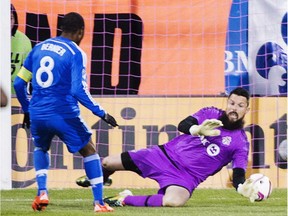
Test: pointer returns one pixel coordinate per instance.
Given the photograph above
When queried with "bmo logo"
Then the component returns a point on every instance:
(271, 62)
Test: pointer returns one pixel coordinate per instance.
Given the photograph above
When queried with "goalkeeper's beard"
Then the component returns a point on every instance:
(230, 125)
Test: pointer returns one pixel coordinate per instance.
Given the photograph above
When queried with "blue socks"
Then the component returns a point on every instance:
(41, 164)
(92, 166)
(93, 169)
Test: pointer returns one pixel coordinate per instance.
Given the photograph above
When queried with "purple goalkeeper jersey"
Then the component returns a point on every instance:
(203, 156)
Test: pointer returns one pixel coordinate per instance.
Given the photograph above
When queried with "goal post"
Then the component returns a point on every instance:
(5, 112)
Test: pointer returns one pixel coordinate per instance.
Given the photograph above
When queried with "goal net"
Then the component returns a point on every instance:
(152, 64)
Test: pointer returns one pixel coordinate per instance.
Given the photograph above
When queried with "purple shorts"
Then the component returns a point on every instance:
(155, 164)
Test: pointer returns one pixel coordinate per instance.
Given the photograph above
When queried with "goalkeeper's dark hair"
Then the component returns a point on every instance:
(240, 92)
(15, 26)
(72, 22)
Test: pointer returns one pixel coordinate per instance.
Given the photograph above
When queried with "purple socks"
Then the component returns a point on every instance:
(149, 201)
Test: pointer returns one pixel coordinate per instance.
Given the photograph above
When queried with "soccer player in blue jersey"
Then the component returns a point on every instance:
(57, 68)
(211, 139)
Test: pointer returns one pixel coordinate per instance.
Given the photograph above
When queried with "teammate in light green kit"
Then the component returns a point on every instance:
(20, 47)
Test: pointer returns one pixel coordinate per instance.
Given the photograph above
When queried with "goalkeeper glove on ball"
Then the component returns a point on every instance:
(248, 189)
(207, 128)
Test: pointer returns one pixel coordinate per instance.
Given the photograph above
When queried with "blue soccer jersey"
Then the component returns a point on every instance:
(57, 67)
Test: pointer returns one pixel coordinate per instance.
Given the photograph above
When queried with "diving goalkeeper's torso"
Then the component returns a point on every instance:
(57, 67)
(204, 156)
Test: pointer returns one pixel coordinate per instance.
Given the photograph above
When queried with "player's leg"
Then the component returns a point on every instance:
(42, 140)
(119, 162)
(175, 196)
(77, 138)
(83, 181)
(125, 162)
(41, 164)
(92, 166)
(143, 158)
(109, 165)
(166, 174)
(112, 163)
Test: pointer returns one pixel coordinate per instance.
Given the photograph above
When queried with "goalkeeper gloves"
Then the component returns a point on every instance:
(248, 189)
(26, 120)
(207, 128)
(110, 120)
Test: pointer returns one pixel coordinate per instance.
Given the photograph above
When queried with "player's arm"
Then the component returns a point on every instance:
(185, 125)
(84, 97)
(238, 177)
(20, 86)
(207, 128)
(81, 93)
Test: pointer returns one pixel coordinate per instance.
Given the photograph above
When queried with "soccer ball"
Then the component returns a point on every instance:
(262, 184)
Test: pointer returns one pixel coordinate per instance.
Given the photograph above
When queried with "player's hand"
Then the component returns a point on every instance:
(110, 120)
(26, 120)
(248, 189)
(207, 128)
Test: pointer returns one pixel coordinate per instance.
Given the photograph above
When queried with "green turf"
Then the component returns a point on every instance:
(204, 202)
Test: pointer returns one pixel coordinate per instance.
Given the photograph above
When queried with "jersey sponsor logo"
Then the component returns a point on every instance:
(213, 150)
(226, 140)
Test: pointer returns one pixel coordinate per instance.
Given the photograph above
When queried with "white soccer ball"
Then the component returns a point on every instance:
(262, 184)
(282, 150)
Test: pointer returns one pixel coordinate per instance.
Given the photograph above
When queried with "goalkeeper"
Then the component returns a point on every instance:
(211, 139)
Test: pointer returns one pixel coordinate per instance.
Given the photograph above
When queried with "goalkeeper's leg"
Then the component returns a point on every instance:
(106, 174)
(83, 181)
(175, 196)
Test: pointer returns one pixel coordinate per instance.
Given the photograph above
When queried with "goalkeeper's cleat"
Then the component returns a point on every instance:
(118, 200)
(108, 182)
(40, 202)
(103, 208)
(83, 181)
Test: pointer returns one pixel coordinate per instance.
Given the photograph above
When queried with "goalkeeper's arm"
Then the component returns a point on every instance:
(207, 128)
(238, 177)
(186, 124)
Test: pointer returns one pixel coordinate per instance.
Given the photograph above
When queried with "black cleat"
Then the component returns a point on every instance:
(118, 200)
(83, 181)
(108, 182)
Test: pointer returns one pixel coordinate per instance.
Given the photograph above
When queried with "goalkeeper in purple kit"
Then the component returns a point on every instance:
(57, 68)
(211, 139)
